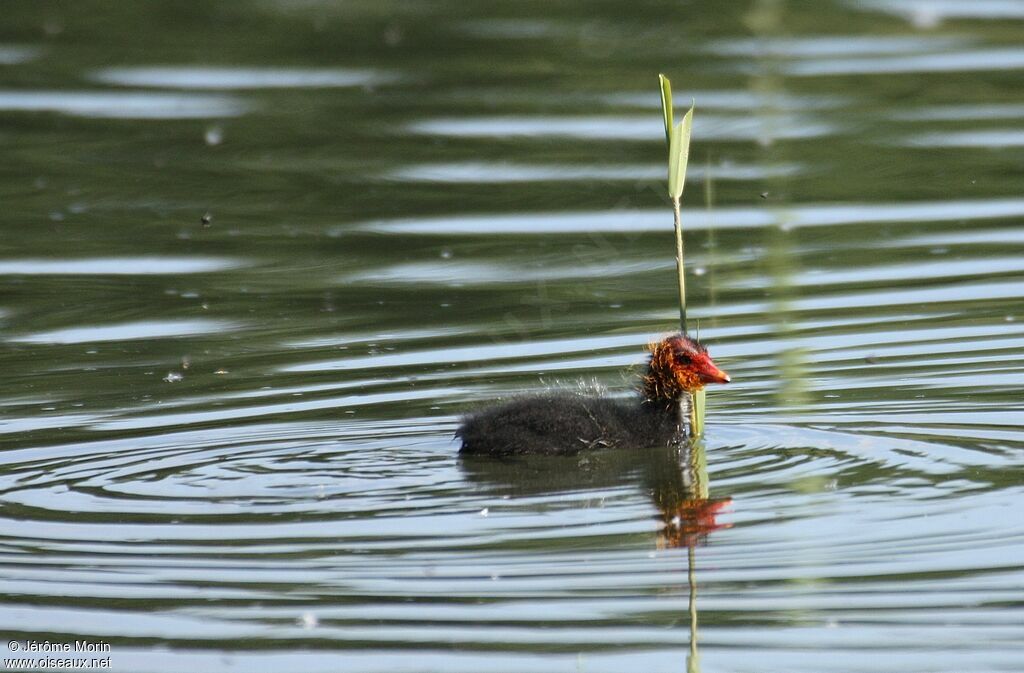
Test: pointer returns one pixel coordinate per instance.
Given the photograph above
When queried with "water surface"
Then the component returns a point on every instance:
(260, 257)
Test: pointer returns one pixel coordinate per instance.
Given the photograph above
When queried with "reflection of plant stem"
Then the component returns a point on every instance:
(693, 660)
(697, 469)
(766, 20)
(694, 414)
(697, 466)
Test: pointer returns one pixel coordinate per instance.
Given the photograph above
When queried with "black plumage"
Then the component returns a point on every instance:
(565, 423)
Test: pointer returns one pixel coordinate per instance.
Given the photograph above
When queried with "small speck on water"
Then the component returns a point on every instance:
(214, 136)
(446, 254)
(308, 621)
(173, 377)
(393, 35)
(206, 219)
(485, 511)
(871, 359)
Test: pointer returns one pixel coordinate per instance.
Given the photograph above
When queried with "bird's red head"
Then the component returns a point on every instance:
(678, 365)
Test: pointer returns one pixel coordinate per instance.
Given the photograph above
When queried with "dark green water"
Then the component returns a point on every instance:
(229, 447)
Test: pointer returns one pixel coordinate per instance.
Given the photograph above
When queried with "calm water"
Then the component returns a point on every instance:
(229, 447)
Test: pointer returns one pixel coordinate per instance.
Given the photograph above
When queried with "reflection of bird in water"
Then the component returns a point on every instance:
(679, 479)
(678, 482)
(691, 521)
(675, 476)
(564, 423)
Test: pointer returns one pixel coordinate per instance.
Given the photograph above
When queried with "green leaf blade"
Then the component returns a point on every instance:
(675, 180)
(679, 154)
(666, 106)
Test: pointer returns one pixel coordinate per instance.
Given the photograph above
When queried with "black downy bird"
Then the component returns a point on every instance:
(565, 423)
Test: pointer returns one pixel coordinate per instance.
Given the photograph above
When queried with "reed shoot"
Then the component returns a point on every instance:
(677, 137)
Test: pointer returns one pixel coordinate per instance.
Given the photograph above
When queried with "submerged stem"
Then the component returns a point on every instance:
(692, 661)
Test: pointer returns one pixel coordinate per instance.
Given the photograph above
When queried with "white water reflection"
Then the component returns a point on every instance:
(943, 269)
(117, 266)
(814, 47)
(929, 13)
(146, 329)
(647, 128)
(961, 112)
(182, 77)
(994, 138)
(494, 173)
(1008, 58)
(495, 352)
(724, 99)
(811, 215)
(12, 55)
(460, 274)
(124, 105)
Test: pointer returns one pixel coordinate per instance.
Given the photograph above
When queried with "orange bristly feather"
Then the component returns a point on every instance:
(666, 380)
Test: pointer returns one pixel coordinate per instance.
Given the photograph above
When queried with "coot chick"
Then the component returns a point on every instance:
(565, 423)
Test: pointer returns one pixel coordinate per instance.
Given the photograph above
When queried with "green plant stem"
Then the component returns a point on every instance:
(680, 265)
